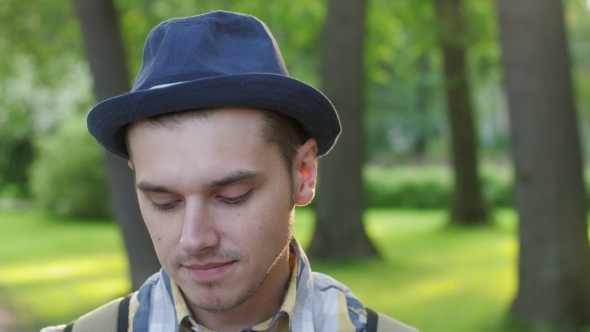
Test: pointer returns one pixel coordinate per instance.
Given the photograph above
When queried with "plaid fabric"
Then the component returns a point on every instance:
(313, 302)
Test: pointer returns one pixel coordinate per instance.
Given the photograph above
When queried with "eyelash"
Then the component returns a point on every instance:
(227, 200)
(235, 200)
(164, 207)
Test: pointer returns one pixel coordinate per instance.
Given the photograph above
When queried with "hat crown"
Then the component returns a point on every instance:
(210, 45)
(213, 60)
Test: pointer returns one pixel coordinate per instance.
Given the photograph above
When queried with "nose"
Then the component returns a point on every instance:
(198, 231)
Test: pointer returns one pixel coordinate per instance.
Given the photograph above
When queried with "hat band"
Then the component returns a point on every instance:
(159, 86)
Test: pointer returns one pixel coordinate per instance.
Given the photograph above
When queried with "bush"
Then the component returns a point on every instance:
(68, 176)
(408, 187)
(430, 186)
(497, 182)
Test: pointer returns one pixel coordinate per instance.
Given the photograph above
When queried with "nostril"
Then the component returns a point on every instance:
(197, 237)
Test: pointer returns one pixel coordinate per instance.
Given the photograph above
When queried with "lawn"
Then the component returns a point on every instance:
(431, 276)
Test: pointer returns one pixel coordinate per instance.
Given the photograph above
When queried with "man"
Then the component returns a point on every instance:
(223, 144)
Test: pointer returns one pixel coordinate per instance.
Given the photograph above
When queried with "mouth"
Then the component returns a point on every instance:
(206, 272)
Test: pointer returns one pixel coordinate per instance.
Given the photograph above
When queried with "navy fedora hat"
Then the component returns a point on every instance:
(208, 61)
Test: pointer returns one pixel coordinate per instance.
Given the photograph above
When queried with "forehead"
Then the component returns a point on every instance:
(214, 122)
(224, 139)
(175, 119)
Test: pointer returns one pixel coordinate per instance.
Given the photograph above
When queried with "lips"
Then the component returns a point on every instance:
(202, 272)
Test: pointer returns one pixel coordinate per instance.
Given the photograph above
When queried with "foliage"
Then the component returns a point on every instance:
(427, 277)
(16, 151)
(577, 19)
(41, 49)
(299, 42)
(430, 187)
(68, 176)
(405, 108)
(29, 110)
(402, 66)
(408, 187)
(47, 33)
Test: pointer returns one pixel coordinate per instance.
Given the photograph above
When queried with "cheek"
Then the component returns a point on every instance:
(244, 228)
(272, 219)
(162, 231)
(271, 226)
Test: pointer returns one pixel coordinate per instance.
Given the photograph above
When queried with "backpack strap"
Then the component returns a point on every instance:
(111, 317)
(123, 319)
(378, 322)
(372, 320)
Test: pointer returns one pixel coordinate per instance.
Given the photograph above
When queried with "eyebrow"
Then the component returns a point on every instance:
(146, 186)
(237, 176)
(234, 177)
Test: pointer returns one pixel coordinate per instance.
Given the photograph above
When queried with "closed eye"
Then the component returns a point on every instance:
(164, 206)
(235, 200)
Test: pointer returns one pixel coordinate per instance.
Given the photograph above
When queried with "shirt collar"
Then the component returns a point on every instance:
(180, 306)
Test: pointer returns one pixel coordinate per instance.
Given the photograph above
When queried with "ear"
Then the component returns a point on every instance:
(305, 170)
(130, 164)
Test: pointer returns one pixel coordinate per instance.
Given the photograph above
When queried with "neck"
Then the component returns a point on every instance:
(258, 308)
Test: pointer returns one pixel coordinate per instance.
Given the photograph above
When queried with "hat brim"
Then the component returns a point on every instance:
(108, 119)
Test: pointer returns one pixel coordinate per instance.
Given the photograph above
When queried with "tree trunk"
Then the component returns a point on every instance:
(554, 267)
(424, 95)
(107, 62)
(339, 205)
(468, 206)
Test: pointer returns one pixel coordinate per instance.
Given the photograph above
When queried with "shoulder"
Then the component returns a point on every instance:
(379, 322)
(335, 306)
(331, 295)
(58, 328)
(112, 316)
(326, 288)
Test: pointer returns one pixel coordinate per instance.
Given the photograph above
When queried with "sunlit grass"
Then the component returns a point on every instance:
(431, 276)
(19, 274)
(52, 271)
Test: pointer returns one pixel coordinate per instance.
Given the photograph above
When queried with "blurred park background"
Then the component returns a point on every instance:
(454, 201)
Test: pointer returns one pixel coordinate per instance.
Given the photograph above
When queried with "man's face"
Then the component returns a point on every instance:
(217, 201)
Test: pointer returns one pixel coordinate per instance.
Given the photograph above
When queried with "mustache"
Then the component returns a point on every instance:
(216, 255)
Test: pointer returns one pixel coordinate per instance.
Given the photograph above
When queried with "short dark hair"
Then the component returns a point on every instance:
(277, 128)
(286, 132)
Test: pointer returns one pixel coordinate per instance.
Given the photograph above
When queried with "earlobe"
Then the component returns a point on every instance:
(306, 171)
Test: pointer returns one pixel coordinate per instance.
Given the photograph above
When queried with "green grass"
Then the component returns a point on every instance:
(430, 276)
(52, 271)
